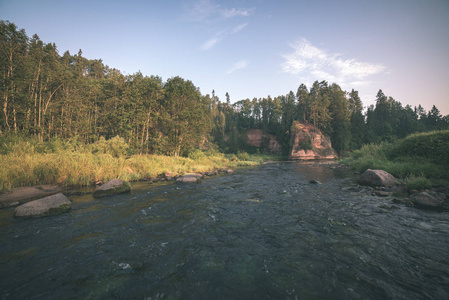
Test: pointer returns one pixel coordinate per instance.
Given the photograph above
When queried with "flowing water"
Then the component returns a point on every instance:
(261, 233)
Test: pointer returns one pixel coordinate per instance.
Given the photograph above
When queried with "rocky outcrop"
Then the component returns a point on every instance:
(51, 205)
(112, 187)
(377, 178)
(309, 143)
(266, 141)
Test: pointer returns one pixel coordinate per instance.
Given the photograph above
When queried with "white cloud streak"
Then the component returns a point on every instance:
(230, 13)
(237, 66)
(332, 67)
(204, 10)
(221, 35)
(209, 44)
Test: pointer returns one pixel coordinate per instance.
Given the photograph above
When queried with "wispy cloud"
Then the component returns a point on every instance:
(205, 10)
(238, 28)
(221, 35)
(230, 13)
(209, 44)
(306, 58)
(237, 66)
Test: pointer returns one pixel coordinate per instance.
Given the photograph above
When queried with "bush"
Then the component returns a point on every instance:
(196, 154)
(432, 146)
(417, 183)
(116, 146)
(420, 158)
(241, 155)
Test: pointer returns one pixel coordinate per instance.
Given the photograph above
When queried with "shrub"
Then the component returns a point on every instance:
(417, 183)
(196, 154)
(241, 155)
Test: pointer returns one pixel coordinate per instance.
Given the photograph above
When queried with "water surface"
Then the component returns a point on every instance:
(261, 233)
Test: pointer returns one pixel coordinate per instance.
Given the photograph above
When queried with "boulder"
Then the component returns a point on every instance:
(377, 178)
(51, 205)
(309, 143)
(112, 187)
(427, 200)
(189, 178)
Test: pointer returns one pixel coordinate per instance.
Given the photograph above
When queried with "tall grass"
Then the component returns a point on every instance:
(416, 158)
(27, 163)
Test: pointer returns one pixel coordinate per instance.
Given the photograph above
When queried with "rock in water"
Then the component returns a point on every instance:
(426, 200)
(51, 205)
(189, 178)
(377, 178)
(112, 187)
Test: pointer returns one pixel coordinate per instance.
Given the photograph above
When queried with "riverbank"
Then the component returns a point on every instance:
(420, 160)
(31, 174)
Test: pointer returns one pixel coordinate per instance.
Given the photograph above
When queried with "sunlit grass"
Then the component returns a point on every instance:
(81, 168)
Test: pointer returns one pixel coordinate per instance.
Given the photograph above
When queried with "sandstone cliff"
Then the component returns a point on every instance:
(263, 140)
(308, 143)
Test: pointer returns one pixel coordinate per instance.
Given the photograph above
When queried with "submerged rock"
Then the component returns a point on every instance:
(427, 200)
(51, 205)
(189, 178)
(377, 178)
(112, 187)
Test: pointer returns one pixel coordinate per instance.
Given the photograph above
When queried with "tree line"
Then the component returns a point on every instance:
(48, 95)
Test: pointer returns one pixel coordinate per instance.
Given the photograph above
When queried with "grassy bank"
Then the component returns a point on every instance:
(422, 160)
(27, 163)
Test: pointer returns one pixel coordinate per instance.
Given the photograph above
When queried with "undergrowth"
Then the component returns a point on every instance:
(27, 162)
(420, 159)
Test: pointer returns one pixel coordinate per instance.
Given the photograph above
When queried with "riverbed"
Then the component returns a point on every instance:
(261, 233)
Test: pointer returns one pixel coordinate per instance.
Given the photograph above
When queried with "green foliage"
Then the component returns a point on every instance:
(196, 154)
(417, 183)
(116, 146)
(243, 155)
(417, 158)
(431, 145)
(306, 145)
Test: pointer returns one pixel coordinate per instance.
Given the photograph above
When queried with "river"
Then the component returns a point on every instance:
(261, 233)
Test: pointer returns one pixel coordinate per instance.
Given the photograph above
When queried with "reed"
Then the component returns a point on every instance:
(68, 167)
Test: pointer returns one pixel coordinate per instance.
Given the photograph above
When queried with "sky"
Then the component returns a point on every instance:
(253, 49)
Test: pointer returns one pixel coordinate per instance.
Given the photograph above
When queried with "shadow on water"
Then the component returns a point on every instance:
(261, 233)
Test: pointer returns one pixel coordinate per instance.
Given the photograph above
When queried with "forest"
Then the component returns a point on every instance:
(46, 96)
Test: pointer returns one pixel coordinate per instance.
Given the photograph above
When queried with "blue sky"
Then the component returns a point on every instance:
(259, 48)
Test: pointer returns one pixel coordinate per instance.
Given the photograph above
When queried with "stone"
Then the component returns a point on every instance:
(380, 193)
(353, 189)
(314, 181)
(112, 187)
(189, 178)
(309, 143)
(401, 200)
(51, 205)
(377, 178)
(427, 200)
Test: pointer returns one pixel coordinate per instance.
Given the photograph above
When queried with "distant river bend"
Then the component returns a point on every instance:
(261, 233)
